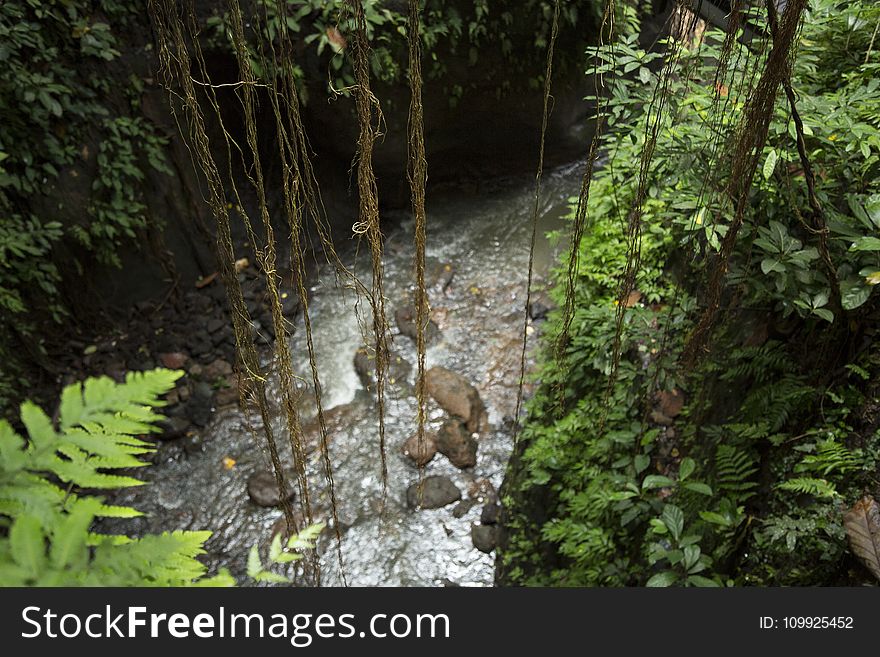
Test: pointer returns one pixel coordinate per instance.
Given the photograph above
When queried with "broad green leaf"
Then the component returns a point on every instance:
(866, 243)
(688, 465)
(673, 518)
(698, 487)
(656, 481)
(662, 580)
(770, 164)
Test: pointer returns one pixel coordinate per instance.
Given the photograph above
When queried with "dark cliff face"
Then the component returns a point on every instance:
(482, 119)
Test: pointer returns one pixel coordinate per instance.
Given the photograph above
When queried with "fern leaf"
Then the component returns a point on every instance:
(69, 540)
(862, 524)
(809, 486)
(28, 544)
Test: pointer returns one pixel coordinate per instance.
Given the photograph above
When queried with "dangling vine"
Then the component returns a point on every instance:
(744, 156)
(417, 173)
(367, 104)
(545, 115)
(174, 62)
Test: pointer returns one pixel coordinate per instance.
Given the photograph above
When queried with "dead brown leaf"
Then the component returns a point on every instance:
(862, 524)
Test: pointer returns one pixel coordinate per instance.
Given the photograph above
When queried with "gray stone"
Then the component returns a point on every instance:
(437, 491)
(263, 489)
(484, 537)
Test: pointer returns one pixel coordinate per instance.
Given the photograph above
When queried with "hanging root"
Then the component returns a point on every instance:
(548, 77)
(634, 218)
(174, 60)
(581, 211)
(368, 223)
(418, 176)
(744, 156)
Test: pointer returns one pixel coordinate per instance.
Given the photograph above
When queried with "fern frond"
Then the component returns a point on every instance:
(734, 469)
(810, 486)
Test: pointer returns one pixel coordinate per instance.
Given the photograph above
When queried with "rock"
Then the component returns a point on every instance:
(397, 374)
(174, 427)
(263, 489)
(227, 396)
(337, 420)
(438, 275)
(289, 305)
(456, 396)
(215, 325)
(461, 509)
(193, 444)
(659, 418)
(406, 324)
(421, 456)
(437, 491)
(173, 360)
(199, 410)
(217, 369)
(485, 537)
(670, 402)
(539, 306)
(200, 344)
(457, 444)
(489, 514)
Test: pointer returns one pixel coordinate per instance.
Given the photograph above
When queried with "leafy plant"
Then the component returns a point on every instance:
(46, 501)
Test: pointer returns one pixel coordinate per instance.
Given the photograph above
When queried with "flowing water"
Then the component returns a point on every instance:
(481, 239)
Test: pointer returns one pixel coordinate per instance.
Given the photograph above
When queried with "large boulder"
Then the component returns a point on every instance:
(456, 396)
(437, 491)
(456, 443)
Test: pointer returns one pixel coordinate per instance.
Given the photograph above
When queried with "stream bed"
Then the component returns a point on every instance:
(477, 253)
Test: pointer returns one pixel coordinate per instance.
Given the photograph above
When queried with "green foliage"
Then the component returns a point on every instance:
(484, 31)
(765, 453)
(47, 507)
(59, 94)
(282, 553)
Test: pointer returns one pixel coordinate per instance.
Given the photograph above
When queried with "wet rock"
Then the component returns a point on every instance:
(263, 489)
(461, 509)
(540, 305)
(484, 537)
(423, 456)
(437, 491)
(489, 514)
(398, 370)
(456, 443)
(173, 360)
(337, 420)
(406, 324)
(456, 396)
(438, 275)
(193, 444)
(199, 406)
(174, 427)
(290, 306)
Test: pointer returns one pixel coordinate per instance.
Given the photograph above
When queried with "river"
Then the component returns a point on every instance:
(478, 237)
